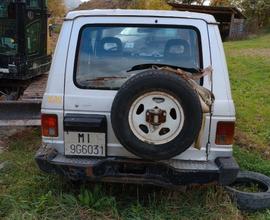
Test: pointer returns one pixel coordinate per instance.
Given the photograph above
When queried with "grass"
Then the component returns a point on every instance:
(27, 193)
(249, 67)
(250, 187)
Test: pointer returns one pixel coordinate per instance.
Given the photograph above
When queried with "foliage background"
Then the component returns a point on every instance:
(57, 8)
(256, 11)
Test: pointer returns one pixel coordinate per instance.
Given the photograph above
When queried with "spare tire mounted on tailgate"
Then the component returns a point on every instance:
(156, 114)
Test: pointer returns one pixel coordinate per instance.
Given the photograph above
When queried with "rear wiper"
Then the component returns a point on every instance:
(153, 65)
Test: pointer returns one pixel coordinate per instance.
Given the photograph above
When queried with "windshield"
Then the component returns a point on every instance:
(8, 44)
(106, 53)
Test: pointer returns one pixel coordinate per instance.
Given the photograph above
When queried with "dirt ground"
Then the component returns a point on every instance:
(251, 52)
(6, 133)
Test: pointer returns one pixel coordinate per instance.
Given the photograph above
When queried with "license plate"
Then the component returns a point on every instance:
(85, 144)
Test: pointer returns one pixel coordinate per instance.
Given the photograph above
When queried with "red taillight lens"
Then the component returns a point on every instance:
(225, 133)
(49, 125)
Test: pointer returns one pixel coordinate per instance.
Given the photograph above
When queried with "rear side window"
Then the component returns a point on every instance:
(106, 53)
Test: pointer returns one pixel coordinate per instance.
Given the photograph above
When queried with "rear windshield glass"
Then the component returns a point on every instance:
(105, 54)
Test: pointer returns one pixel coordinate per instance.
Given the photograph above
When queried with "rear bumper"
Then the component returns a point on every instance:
(123, 170)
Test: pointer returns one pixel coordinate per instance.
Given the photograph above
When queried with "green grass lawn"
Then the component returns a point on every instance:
(249, 67)
(27, 193)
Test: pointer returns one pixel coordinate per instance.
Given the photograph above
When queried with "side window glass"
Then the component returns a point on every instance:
(32, 38)
(32, 3)
(4, 9)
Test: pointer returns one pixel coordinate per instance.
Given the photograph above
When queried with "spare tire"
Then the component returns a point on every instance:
(156, 115)
(251, 201)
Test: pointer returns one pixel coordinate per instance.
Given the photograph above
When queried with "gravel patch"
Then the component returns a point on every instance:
(6, 132)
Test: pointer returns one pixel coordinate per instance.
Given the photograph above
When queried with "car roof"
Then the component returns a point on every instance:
(144, 13)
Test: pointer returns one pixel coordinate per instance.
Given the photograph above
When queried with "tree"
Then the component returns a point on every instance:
(256, 11)
(150, 4)
(124, 4)
(221, 3)
(57, 8)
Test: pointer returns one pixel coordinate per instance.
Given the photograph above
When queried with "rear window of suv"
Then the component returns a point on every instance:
(105, 54)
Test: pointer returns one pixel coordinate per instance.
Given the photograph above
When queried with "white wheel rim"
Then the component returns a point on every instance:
(163, 133)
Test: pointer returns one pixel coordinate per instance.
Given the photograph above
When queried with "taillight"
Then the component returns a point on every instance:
(225, 133)
(49, 125)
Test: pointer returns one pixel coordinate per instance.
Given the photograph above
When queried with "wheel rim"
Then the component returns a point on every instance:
(156, 118)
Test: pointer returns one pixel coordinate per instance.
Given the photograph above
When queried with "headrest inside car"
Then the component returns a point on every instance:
(110, 46)
(177, 48)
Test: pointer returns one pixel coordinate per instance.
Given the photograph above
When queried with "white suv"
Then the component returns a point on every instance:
(123, 101)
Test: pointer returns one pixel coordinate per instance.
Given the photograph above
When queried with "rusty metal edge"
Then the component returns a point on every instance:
(19, 123)
(20, 113)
